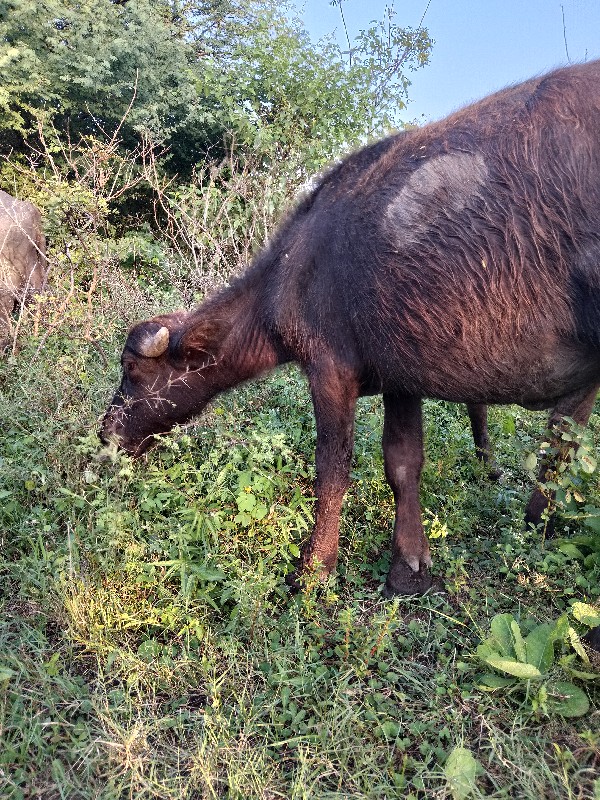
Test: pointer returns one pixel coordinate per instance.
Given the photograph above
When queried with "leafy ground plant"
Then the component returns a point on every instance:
(526, 666)
(150, 647)
(461, 770)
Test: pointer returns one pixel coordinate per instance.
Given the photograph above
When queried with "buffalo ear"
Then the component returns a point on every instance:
(200, 340)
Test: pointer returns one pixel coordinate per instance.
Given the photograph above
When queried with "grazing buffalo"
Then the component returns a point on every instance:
(22, 255)
(458, 261)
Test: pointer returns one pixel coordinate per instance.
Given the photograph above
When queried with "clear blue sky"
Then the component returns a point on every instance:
(480, 45)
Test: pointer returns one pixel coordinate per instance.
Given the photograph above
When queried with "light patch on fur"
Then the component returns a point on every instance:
(400, 475)
(442, 185)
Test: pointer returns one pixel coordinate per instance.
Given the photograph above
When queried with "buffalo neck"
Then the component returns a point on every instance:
(247, 345)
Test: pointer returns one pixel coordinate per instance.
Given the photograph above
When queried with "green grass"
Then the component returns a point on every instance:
(149, 647)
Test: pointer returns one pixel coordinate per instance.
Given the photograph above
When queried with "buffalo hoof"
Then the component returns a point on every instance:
(593, 638)
(537, 509)
(494, 472)
(543, 526)
(303, 577)
(402, 579)
(293, 581)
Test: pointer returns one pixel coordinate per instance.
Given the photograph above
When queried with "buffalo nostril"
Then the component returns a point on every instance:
(109, 438)
(111, 429)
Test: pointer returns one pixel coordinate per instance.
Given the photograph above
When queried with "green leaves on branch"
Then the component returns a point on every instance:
(570, 464)
(569, 456)
(201, 78)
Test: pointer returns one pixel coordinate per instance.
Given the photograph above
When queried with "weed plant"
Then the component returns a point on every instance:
(149, 646)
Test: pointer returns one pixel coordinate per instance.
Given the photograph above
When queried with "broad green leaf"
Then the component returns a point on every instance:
(246, 501)
(502, 633)
(244, 480)
(588, 463)
(390, 729)
(461, 770)
(518, 642)
(567, 699)
(561, 628)
(243, 518)
(531, 462)
(570, 550)
(491, 682)
(485, 649)
(539, 645)
(208, 573)
(593, 522)
(587, 614)
(6, 673)
(575, 642)
(149, 649)
(566, 662)
(516, 668)
(260, 511)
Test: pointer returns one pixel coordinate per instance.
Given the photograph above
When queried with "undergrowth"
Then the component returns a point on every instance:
(150, 647)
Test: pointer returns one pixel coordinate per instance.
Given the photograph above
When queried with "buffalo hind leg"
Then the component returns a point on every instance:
(334, 393)
(578, 406)
(403, 459)
(478, 414)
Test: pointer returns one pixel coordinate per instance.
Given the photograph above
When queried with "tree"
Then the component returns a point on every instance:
(202, 77)
(312, 100)
(86, 63)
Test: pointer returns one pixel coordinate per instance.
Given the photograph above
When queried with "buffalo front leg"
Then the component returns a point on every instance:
(478, 414)
(334, 393)
(403, 458)
(578, 406)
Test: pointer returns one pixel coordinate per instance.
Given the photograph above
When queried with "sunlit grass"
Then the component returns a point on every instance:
(149, 646)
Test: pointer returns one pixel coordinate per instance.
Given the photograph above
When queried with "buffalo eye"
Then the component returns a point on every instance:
(129, 368)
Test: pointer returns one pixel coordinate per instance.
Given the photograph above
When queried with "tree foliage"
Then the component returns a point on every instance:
(86, 63)
(199, 77)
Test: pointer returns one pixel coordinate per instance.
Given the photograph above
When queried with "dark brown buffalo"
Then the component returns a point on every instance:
(459, 261)
(22, 255)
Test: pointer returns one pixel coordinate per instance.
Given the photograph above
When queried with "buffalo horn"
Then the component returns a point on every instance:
(154, 344)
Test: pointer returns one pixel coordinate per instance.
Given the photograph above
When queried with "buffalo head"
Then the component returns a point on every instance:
(170, 370)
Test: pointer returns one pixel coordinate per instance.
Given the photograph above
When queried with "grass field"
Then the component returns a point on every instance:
(149, 647)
